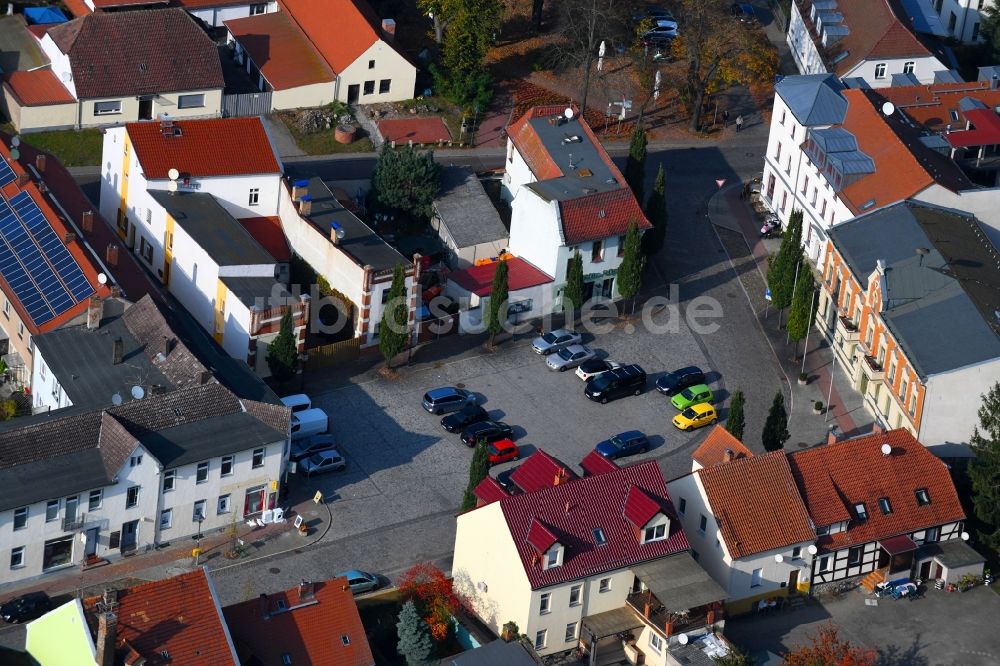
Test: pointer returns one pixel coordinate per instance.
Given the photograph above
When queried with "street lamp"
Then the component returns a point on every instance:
(198, 518)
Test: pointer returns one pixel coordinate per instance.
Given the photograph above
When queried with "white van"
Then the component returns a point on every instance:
(309, 422)
(298, 402)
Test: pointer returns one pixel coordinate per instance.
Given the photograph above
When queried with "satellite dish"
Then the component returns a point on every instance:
(682, 639)
(67, 76)
(138, 392)
(102, 278)
(886, 449)
(568, 113)
(173, 174)
(16, 141)
(172, 186)
(965, 536)
(812, 550)
(888, 108)
(779, 558)
(15, 154)
(339, 230)
(116, 399)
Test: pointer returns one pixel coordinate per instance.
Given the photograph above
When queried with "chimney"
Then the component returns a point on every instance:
(877, 428)
(206, 376)
(95, 311)
(646, 608)
(165, 346)
(333, 234)
(69, 237)
(728, 456)
(389, 30)
(87, 221)
(831, 437)
(116, 291)
(568, 507)
(23, 179)
(265, 612)
(306, 591)
(40, 162)
(111, 255)
(107, 629)
(117, 351)
(560, 477)
(300, 188)
(305, 205)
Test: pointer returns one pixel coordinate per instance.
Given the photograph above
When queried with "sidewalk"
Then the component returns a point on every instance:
(738, 229)
(176, 557)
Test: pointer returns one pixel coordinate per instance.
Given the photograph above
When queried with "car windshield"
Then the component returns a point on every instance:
(601, 382)
(688, 395)
(618, 443)
(670, 380)
(492, 450)
(689, 413)
(565, 354)
(550, 337)
(316, 459)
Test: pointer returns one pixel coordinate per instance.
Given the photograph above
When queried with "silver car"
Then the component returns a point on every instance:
(328, 460)
(570, 357)
(555, 340)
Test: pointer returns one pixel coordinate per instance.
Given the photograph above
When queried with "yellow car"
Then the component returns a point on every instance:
(696, 416)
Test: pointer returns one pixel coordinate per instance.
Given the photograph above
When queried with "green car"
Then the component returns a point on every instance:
(694, 395)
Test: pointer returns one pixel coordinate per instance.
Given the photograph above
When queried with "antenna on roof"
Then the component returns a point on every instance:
(888, 108)
(138, 393)
(922, 252)
(15, 141)
(102, 278)
(569, 113)
(173, 175)
(116, 399)
(886, 449)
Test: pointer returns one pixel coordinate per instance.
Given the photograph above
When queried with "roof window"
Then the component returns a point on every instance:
(599, 538)
(923, 498)
(345, 639)
(884, 505)
(861, 511)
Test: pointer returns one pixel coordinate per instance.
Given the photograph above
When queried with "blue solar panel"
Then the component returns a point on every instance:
(45, 277)
(6, 173)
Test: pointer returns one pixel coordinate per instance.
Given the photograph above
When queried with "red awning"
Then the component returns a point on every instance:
(898, 544)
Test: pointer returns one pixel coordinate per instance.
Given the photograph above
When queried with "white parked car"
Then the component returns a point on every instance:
(594, 367)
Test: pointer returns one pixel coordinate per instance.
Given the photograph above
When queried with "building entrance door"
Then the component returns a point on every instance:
(145, 109)
(130, 535)
(793, 581)
(353, 92)
(91, 546)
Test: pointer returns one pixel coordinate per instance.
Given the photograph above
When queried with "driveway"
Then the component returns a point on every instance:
(940, 629)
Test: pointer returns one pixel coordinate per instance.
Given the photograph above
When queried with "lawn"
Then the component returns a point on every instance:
(72, 147)
(323, 142)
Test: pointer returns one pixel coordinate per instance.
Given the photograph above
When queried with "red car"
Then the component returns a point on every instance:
(501, 451)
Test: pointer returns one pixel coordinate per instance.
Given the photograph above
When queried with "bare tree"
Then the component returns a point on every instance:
(719, 51)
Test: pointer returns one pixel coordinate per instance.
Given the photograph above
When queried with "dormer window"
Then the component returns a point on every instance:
(656, 529)
(554, 556)
(861, 511)
(923, 498)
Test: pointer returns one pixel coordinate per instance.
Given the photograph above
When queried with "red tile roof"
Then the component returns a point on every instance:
(835, 477)
(640, 508)
(540, 470)
(756, 504)
(600, 215)
(489, 490)
(573, 510)
(931, 105)
(529, 144)
(540, 536)
(281, 50)
(38, 87)
(268, 234)
(985, 130)
(713, 450)
(105, 4)
(594, 463)
(142, 52)
(179, 615)
(521, 274)
(78, 7)
(214, 147)
(358, 28)
(417, 130)
(310, 630)
(203, 4)
(77, 250)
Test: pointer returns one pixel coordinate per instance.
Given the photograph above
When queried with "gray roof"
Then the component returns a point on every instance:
(834, 139)
(213, 228)
(952, 554)
(256, 291)
(359, 241)
(988, 73)
(948, 76)
(465, 210)
(20, 51)
(497, 653)
(679, 582)
(814, 99)
(574, 158)
(939, 307)
(905, 79)
(208, 438)
(81, 360)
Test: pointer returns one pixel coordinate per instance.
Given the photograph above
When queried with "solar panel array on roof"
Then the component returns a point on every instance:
(40, 270)
(6, 173)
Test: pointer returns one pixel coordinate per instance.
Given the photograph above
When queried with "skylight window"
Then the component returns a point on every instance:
(599, 537)
(884, 505)
(923, 498)
(861, 511)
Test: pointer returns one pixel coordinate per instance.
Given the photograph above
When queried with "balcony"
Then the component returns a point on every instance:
(71, 524)
(847, 329)
(873, 369)
(670, 622)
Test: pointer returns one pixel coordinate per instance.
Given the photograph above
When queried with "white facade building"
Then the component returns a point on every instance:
(567, 196)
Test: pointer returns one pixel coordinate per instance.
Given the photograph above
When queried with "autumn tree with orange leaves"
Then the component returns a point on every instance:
(431, 591)
(826, 648)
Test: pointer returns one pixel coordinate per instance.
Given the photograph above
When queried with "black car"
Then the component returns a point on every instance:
(27, 607)
(626, 380)
(678, 380)
(460, 420)
(304, 448)
(491, 431)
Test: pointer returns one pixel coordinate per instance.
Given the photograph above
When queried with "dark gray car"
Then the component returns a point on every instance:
(447, 399)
